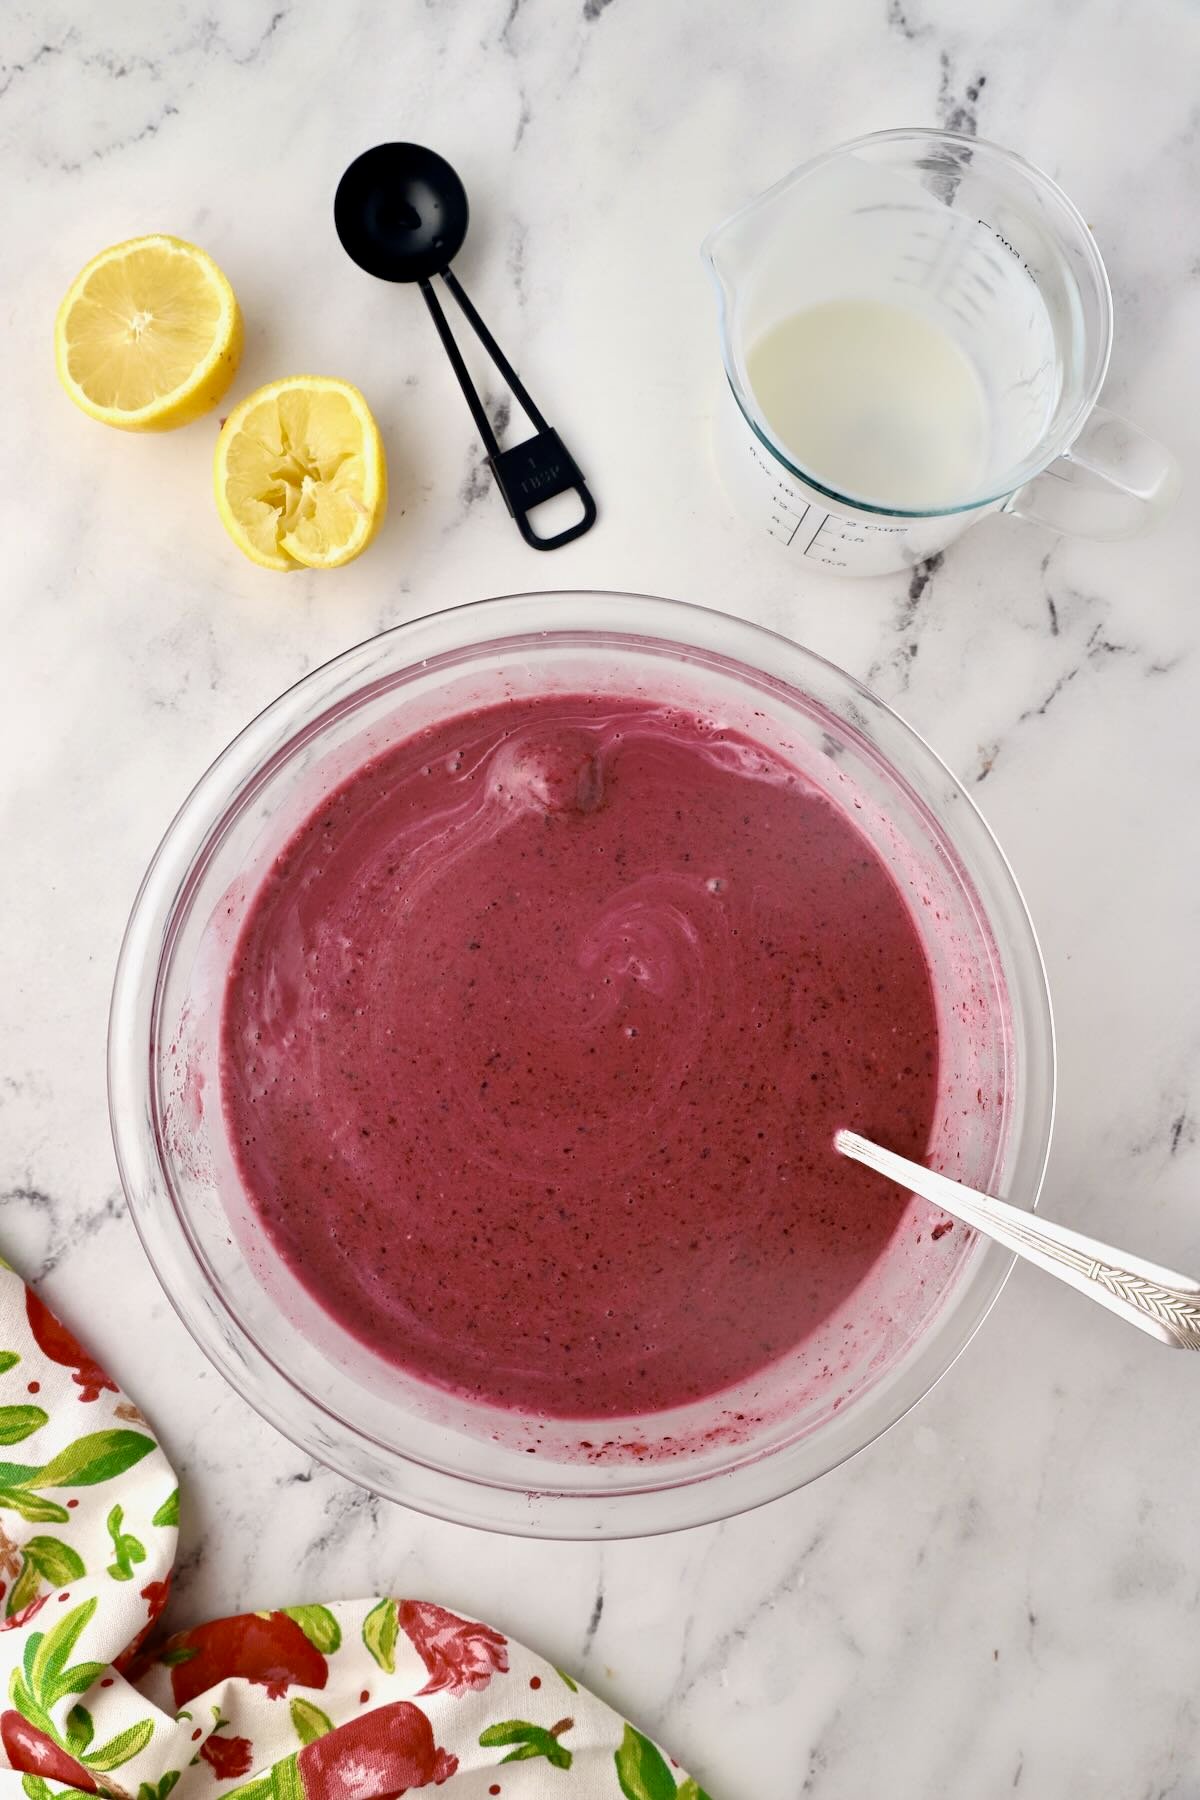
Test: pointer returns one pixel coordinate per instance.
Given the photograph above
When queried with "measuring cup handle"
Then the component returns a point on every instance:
(1113, 482)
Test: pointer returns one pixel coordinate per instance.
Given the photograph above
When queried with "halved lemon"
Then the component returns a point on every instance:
(149, 335)
(300, 475)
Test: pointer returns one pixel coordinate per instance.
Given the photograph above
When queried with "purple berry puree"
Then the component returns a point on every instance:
(535, 1042)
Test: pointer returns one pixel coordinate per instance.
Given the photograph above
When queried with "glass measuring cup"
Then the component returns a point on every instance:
(997, 274)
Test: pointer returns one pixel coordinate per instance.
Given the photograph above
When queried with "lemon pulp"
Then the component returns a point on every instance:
(300, 474)
(149, 335)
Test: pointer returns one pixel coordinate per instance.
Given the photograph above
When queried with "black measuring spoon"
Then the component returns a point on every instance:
(401, 214)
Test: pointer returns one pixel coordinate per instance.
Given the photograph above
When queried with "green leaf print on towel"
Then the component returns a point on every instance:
(160, 1789)
(168, 1512)
(121, 1749)
(80, 1730)
(318, 1625)
(65, 1760)
(34, 1507)
(645, 1774)
(100, 1456)
(48, 1655)
(532, 1741)
(380, 1630)
(127, 1550)
(17, 1422)
(43, 1559)
(38, 1788)
(309, 1721)
(97, 1457)
(47, 1676)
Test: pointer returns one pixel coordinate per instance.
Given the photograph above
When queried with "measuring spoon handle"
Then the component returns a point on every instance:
(530, 472)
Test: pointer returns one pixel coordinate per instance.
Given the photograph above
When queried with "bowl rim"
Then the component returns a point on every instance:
(678, 1503)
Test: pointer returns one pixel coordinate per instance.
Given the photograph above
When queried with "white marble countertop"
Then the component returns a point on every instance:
(1004, 1593)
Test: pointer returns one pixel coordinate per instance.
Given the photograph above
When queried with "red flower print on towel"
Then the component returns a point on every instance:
(32, 1751)
(270, 1649)
(378, 1756)
(459, 1654)
(228, 1757)
(156, 1594)
(26, 1612)
(131, 1663)
(55, 1341)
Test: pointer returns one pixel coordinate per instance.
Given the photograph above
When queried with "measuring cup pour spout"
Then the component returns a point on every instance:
(753, 258)
(728, 254)
(711, 251)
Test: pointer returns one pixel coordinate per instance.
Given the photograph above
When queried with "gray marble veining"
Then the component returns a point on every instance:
(1004, 1594)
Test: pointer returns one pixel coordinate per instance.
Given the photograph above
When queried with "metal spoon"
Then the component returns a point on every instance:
(1156, 1300)
(401, 214)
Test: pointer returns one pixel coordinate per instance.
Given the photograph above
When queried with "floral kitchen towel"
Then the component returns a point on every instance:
(361, 1700)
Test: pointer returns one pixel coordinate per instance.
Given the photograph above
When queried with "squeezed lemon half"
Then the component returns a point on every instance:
(300, 475)
(149, 335)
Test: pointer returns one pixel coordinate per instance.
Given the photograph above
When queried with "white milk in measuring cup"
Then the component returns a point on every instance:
(914, 329)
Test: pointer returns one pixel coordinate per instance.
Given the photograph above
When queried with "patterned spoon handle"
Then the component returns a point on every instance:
(1157, 1300)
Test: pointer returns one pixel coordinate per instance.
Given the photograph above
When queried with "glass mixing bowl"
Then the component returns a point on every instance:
(461, 1460)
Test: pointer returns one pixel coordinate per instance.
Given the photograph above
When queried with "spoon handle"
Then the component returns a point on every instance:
(483, 424)
(1157, 1300)
(512, 379)
(527, 473)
